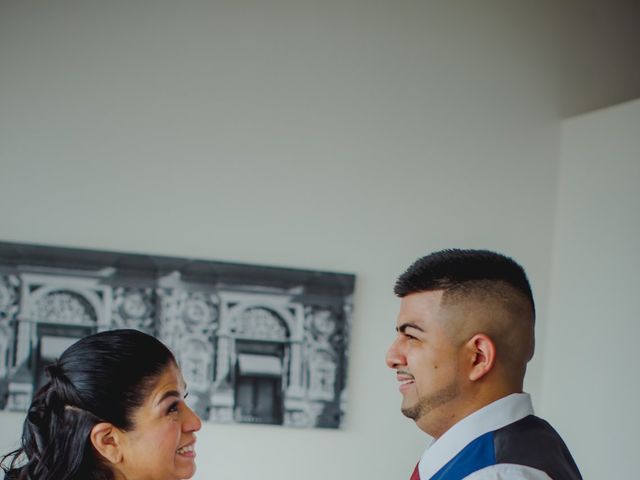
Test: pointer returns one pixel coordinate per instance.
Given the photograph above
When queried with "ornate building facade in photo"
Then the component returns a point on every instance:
(255, 344)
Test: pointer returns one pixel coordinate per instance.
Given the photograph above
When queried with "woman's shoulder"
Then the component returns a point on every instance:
(13, 474)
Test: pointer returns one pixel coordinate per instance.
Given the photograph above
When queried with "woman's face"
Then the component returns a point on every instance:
(161, 444)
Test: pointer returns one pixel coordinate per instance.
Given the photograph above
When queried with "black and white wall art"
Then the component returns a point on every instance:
(255, 344)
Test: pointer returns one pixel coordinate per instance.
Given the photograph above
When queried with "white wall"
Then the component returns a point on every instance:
(600, 53)
(351, 136)
(591, 385)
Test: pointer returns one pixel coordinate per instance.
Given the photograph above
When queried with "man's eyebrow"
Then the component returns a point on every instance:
(404, 326)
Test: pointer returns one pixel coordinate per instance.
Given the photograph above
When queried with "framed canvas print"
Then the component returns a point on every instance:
(256, 344)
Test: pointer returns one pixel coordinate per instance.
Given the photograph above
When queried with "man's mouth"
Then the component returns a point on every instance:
(405, 379)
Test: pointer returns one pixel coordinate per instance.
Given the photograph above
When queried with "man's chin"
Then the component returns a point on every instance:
(411, 411)
(425, 405)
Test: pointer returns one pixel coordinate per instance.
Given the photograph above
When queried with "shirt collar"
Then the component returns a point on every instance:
(491, 417)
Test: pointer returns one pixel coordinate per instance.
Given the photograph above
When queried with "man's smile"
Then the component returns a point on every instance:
(405, 379)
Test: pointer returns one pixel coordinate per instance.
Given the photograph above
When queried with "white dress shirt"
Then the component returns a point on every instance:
(492, 417)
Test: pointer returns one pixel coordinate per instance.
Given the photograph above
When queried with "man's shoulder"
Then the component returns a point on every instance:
(507, 471)
(518, 437)
(533, 442)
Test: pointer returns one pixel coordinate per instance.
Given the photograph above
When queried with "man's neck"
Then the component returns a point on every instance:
(458, 409)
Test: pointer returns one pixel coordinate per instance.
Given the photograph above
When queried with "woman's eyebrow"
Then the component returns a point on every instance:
(170, 393)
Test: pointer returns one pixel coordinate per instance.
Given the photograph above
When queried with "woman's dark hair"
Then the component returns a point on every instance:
(101, 378)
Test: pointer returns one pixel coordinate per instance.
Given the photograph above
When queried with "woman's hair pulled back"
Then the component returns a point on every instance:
(100, 378)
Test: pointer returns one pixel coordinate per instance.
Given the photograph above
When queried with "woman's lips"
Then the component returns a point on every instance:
(187, 451)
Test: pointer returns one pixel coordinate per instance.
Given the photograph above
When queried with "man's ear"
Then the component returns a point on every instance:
(107, 440)
(482, 356)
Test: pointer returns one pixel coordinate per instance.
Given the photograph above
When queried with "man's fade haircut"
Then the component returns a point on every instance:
(457, 271)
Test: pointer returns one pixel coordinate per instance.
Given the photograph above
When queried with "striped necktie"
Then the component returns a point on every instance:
(416, 474)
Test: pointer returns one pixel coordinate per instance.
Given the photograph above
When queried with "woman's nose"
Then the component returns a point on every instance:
(192, 421)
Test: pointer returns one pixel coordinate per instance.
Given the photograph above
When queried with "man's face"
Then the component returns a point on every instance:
(426, 361)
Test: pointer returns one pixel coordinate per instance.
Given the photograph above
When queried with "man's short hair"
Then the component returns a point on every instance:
(460, 272)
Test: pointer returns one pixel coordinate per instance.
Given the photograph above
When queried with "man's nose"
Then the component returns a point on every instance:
(395, 355)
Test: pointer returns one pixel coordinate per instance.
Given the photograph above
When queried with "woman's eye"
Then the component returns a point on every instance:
(173, 408)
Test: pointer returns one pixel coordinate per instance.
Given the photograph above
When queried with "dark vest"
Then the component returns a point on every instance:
(530, 441)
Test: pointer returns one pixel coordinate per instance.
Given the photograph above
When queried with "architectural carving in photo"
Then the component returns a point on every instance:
(255, 344)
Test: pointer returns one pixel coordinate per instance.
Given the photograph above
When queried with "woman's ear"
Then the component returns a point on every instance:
(107, 440)
(482, 354)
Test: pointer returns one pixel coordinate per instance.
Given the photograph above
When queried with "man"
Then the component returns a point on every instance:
(465, 333)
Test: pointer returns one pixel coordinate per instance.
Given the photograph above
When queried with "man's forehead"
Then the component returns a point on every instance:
(422, 299)
(419, 306)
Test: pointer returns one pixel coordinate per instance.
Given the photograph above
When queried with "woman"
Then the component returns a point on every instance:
(113, 409)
